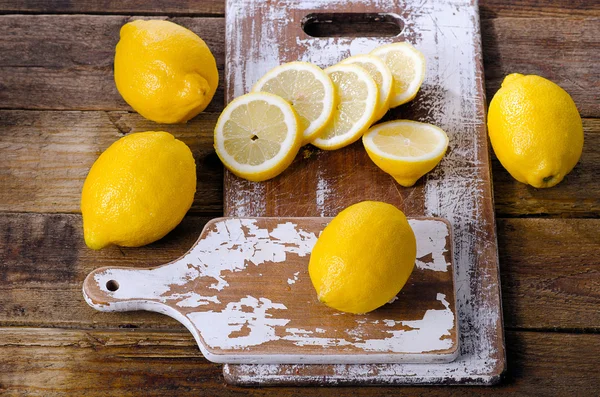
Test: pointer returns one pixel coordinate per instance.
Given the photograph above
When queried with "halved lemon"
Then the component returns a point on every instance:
(308, 89)
(407, 65)
(382, 75)
(257, 136)
(406, 149)
(358, 97)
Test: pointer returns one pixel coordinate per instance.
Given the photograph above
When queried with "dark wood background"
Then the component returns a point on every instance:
(59, 109)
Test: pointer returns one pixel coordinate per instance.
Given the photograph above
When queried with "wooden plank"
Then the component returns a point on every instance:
(58, 148)
(136, 7)
(36, 73)
(578, 195)
(74, 70)
(47, 155)
(99, 363)
(564, 50)
(43, 262)
(488, 8)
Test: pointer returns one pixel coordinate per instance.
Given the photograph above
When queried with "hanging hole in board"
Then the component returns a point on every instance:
(345, 24)
(112, 285)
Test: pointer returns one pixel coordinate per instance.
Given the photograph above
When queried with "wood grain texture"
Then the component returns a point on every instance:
(489, 8)
(47, 155)
(37, 73)
(43, 261)
(58, 148)
(101, 363)
(57, 66)
(564, 50)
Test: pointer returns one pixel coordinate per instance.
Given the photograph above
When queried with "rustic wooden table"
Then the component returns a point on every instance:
(59, 109)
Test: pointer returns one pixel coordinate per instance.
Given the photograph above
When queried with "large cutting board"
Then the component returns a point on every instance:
(264, 34)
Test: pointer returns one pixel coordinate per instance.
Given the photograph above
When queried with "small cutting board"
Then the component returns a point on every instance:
(244, 292)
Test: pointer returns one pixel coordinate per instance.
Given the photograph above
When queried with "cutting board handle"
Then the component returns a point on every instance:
(122, 289)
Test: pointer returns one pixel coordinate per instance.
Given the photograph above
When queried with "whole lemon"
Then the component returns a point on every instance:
(535, 130)
(363, 258)
(138, 190)
(164, 71)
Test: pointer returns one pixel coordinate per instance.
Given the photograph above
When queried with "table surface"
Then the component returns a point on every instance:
(59, 109)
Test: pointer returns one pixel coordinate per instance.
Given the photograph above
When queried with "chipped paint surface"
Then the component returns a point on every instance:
(226, 323)
(447, 32)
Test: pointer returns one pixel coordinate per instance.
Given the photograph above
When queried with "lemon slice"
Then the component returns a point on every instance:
(308, 89)
(382, 75)
(408, 68)
(406, 149)
(358, 97)
(257, 136)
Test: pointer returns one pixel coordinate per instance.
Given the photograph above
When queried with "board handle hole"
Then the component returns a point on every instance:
(347, 24)
(112, 285)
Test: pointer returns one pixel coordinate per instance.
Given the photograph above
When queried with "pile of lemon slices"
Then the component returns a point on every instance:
(259, 134)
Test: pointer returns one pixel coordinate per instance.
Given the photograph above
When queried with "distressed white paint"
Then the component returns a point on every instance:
(447, 32)
(217, 328)
(241, 323)
(432, 241)
(291, 281)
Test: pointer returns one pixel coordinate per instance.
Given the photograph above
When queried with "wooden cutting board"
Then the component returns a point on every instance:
(244, 292)
(263, 34)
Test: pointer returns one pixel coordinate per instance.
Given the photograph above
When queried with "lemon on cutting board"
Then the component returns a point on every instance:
(363, 258)
(406, 149)
(138, 190)
(357, 108)
(382, 76)
(164, 71)
(308, 89)
(535, 130)
(407, 65)
(258, 136)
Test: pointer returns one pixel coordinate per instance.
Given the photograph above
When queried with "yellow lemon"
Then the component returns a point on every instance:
(535, 130)
(308, 89)
(358, 100)
(138, 190)
(405, 149)
(258, 136)
(363, 258)
(164, 71)
(381, 74)
(407, 65)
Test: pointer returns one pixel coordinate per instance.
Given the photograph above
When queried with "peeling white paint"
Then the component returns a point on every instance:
(431, 241)
(218, 328)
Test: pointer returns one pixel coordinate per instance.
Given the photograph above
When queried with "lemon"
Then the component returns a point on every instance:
(407, 65)
(164, 71)
(358, 98)
(363, 258)
(138, 190)
(405, 149)
(258, 136)
(535, 130)
(308, 89)
(382, 75)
